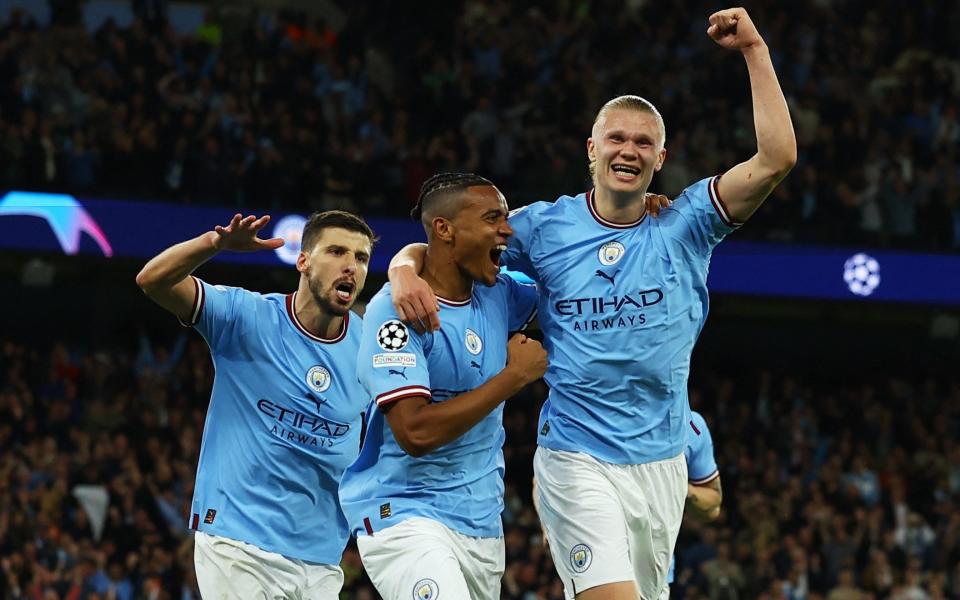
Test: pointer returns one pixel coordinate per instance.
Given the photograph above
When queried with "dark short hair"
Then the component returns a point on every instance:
(445, 182)
(319, 221)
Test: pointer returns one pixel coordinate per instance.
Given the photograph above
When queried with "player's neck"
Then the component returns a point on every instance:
(619, 207)
(318, 322)
(441, 272)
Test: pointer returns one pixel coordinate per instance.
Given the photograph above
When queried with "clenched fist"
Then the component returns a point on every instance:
(733, 29)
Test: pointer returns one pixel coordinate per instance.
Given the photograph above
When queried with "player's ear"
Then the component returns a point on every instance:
(591, 150)
(443, 229)
(303, 261)
(661, 159)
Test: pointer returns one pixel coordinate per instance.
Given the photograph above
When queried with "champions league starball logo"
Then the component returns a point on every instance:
(861, 273)
(426, 589)
(393, 336)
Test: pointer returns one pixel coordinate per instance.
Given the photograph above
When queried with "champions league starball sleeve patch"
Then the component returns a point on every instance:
(393, 336)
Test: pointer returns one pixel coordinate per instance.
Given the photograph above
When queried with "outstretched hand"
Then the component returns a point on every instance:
(240, 235)
(733, 29)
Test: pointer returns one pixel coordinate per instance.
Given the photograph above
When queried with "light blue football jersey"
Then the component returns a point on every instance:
(701, 463)
(459, 484)
(621, 306)
(284, 422)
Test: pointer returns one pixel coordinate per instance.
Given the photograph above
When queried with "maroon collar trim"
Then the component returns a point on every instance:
(596, 215)
(291, 302)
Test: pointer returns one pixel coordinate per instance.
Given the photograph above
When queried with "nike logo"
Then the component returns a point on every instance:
(65, 216)
(609, 278)
(401, 373)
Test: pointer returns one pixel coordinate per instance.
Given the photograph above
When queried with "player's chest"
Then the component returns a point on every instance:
(466, 353)
(309, 378)
(631, 264)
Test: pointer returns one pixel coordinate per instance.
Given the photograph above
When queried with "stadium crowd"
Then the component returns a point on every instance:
(836, 490)
(279, 111)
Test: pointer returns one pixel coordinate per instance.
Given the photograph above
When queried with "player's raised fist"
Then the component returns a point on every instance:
(732, 28)
(240, 235)
(526, 357)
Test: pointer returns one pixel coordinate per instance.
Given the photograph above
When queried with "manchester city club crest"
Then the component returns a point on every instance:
(318, 378)
(426, 589)
(473, 342)
(581, 557)
(611, 253)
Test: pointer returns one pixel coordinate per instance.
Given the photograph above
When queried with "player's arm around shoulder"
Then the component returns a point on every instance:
(413, 299)
(744, 187)
(421, 427)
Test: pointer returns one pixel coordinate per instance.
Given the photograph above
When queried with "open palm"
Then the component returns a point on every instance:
(240, 235)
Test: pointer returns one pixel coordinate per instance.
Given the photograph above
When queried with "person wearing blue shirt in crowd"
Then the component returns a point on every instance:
(425, 495)
(704, 492)
(623, 299)
(285, 414)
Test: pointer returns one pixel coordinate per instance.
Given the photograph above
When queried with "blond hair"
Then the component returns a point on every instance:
(636, 104)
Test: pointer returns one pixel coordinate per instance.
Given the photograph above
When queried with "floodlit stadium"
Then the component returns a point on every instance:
(827, 374)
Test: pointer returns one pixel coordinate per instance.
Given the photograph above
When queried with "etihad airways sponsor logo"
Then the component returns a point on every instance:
(296, 426)
(601, 305)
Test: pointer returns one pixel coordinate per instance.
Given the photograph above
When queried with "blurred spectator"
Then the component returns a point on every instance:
(279, 111)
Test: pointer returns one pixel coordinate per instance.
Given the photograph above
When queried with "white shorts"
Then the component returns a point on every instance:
(609, 523)
(228, 569)
(422, 559)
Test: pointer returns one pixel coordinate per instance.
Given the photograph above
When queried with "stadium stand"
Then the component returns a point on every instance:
(280, 111)
(841, 477)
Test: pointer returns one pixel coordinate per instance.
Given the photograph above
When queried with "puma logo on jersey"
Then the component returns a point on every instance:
(317, 402)
(609, 278)
(402, 372)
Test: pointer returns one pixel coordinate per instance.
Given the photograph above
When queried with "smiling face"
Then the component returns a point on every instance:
(336, 268)
(480, 233)
(625, 150)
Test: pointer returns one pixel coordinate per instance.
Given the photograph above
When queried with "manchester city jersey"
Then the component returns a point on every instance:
(701, 463)
(284, 422)
(459, 484)
(621, 306)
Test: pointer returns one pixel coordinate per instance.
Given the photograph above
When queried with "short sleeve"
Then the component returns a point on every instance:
(701, 463)
(698, 217)
(218, 310)
(517, 255)
(521, 302)
(391, 364)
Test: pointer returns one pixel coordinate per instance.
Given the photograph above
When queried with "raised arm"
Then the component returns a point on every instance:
(165, 279)
(744, 187)
(412, 297)
(421, 427)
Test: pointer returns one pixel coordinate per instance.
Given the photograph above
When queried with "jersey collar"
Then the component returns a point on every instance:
(596, 214)
(446, 302)
(291, 302)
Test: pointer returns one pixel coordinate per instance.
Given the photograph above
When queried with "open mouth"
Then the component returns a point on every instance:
(345, 290)
(495, 253)
(625, 171)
